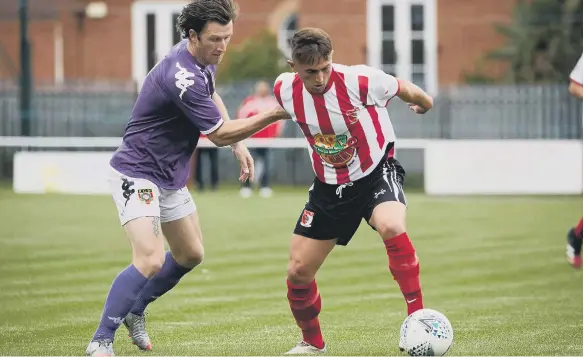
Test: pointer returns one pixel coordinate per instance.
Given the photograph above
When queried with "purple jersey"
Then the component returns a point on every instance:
(173, 108)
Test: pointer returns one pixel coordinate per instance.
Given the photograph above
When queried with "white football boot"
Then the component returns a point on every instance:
(245, 192)
(101, 348)
(266, 192)
(303, 348)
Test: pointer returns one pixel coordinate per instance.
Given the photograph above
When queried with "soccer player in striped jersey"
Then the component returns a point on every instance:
(342, 112)
(574, 248)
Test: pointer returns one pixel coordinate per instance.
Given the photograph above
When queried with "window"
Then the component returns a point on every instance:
(388, 54)
(287, 30)
(151, 57)
(411, 54)
(153, 34)
(418, 47)
(176, 35)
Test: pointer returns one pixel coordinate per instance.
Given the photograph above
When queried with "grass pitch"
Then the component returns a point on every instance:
(495, 266)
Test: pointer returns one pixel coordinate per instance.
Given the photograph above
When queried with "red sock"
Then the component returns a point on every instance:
(305, 304)
(578, 229)
(405, 268)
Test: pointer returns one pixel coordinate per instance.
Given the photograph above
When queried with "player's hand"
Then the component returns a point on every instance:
(418, 109)
(245, 162)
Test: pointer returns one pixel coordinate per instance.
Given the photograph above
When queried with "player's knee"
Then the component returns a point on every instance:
(190, 258)
(390, 228)
(156, 264)
(150, 265)
(299, 272)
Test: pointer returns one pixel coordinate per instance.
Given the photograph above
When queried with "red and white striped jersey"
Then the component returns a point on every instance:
(347, 127)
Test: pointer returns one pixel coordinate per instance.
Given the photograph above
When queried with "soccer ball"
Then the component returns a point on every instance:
(426, 332)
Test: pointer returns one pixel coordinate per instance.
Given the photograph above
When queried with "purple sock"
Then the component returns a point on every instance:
(166, 279)
(122, 296)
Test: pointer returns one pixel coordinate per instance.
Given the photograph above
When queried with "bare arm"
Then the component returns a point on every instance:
(223, 110)
(575, 89)
(221, 106)
(233, 131)
(411, 93)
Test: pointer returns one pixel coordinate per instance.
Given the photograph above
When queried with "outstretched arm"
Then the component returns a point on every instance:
(208, 112)
(221, 106)
(224, 113)
(246, 164)
(233, 131)
(384, 87)
(420, 102)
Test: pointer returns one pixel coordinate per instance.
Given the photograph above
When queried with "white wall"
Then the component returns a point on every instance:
(61, 172)
(451, 167)
(483, 167)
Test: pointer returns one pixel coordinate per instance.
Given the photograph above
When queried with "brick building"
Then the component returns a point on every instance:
(429, 41)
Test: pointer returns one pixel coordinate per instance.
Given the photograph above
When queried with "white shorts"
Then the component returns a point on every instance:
(137, 198)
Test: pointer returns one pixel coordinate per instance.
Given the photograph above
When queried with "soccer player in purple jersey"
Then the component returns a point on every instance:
(149, 171)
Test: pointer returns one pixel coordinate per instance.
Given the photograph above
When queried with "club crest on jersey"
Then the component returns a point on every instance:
(335, 150)
(146, 195)
(307, 217)
(352, 116)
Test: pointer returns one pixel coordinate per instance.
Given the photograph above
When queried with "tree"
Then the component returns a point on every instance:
(543, 41)
(258, 57)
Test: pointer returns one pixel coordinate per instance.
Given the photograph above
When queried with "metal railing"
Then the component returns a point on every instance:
(463, 112)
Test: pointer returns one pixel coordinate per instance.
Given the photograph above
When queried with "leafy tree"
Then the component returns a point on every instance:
(543, 42)
(257, 57)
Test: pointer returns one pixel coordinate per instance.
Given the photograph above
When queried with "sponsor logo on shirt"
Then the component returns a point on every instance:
(335, 150)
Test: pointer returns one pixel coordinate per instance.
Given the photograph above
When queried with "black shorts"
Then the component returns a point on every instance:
(335, 211)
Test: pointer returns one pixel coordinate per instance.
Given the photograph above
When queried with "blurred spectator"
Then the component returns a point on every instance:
(213, 154)
(261, 100)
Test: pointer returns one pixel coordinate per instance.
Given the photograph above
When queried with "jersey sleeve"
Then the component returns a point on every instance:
(382, 86)
(278, 89)
(188, 90)
(576, 75)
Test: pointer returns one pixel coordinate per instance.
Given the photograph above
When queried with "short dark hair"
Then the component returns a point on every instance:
(198, 13)
(309, 45)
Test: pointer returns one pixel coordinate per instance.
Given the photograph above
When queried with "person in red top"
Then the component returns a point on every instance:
(259, 101)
